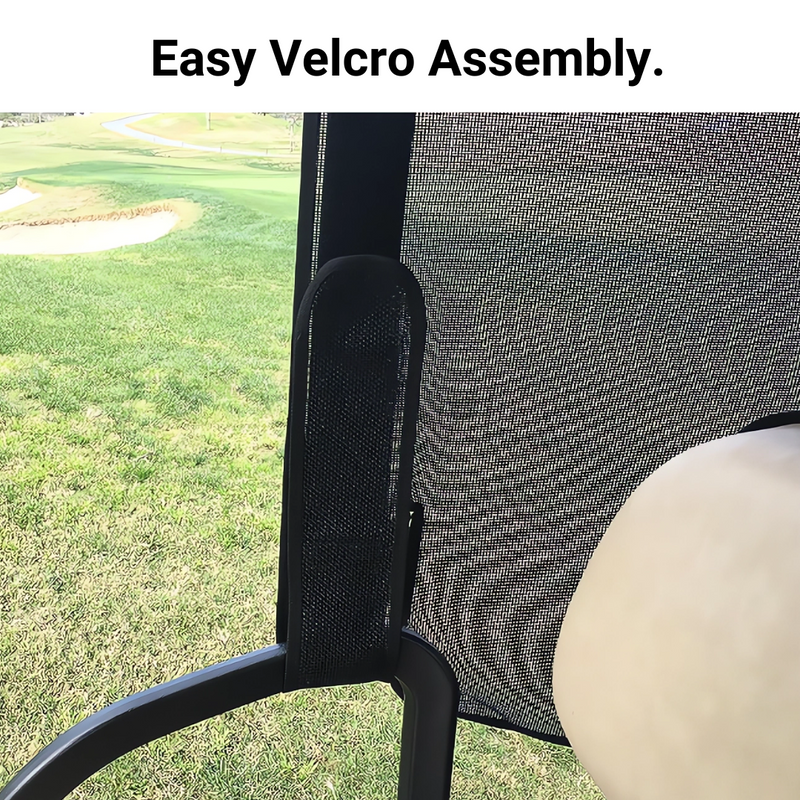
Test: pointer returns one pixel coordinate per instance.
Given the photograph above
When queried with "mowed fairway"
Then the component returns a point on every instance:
(143, 395)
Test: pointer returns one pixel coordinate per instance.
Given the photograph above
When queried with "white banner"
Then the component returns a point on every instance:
(417, 55)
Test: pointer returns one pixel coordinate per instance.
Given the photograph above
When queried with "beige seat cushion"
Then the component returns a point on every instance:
(677, 671)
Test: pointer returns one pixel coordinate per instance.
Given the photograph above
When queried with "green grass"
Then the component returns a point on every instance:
(143, 395)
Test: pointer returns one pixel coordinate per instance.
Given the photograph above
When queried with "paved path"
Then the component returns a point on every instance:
(121, 126)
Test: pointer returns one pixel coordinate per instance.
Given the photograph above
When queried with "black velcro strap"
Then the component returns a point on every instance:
(354, 394)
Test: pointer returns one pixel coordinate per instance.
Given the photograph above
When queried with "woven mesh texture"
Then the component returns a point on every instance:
(357, 376)
(320, 186)
(603, 292)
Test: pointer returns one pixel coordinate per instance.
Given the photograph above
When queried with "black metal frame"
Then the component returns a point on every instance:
(364, 170)
(429, 721)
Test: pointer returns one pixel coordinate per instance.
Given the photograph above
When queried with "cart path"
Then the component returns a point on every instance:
(121, 126)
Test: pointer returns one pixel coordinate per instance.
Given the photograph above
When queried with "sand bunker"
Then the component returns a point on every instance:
(16, 197)
(84, 236)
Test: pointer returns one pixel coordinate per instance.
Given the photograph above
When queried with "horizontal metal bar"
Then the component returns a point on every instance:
(127, 724)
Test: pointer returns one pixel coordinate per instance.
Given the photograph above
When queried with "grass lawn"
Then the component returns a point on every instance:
(143, 394)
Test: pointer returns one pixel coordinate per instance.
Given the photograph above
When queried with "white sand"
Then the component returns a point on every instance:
(16, 197)
(84, 237)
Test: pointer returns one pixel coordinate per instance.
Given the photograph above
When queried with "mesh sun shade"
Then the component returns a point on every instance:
(603, 292)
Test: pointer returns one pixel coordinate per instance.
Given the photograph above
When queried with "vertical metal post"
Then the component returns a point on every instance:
(430, 693)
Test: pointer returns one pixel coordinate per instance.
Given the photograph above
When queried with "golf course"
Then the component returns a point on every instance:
(145, 329)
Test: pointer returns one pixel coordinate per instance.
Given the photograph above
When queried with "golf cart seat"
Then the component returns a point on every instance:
(677, 671)
(503, 324)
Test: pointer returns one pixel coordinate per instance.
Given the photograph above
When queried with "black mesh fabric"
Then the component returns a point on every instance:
(354, 452)
(320, 185)
(603, 292)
